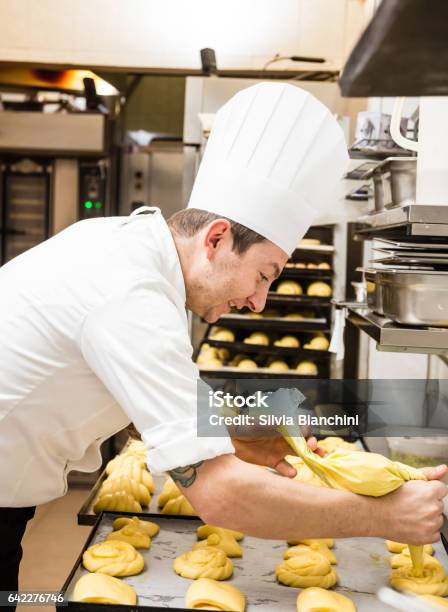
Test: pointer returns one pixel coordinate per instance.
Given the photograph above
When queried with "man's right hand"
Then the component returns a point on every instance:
(413, 513)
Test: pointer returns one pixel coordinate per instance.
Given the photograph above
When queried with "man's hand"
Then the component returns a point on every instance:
(270, 452)
(413, 513)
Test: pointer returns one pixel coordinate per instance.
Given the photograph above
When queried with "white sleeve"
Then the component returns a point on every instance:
(138, 345)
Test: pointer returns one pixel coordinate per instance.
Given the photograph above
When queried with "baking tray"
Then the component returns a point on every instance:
(398, 244)
(306, 273)
(362, 568)
(314, 248)
(228, 372)
(272, 323)
(281, 351)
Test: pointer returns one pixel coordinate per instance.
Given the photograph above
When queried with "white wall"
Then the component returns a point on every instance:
(170, 33)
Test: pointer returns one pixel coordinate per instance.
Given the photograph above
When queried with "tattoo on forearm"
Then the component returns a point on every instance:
(186, 475)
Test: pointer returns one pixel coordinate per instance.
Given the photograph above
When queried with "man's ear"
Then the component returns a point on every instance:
(217, 232)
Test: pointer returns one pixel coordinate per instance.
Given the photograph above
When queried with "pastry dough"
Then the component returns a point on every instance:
(207, 594)
(318, 343)
(247, 364)
(319, 289)
(119, 502)
(132, 535)
(114, 558)
(123, 460)
(257, 338)
(151, 529)
(294, 316)
(223, 334)
(319, 547)
(306, 570)
(179, 505)
(437, 603)
(333, 443)
(309, 242)
(205, 562)
(103, 589)
(329, 542)
(134, 471)
(278, 365)
(316, 599)
(324, 265)
(397, 547)
(288, 341)
(138, 491)
(404, 558)
(205, 530)
(289, 287)
(308, 368)
(304, 474)
(432, 581)
(224, 542)
(170, 490)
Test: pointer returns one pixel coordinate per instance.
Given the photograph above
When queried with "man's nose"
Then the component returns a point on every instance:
(257, 301)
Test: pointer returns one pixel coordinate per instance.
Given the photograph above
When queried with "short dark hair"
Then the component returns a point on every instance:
(189, 221)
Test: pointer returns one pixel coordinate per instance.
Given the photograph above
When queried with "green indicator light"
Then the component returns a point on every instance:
(88, 204)
(98, 205)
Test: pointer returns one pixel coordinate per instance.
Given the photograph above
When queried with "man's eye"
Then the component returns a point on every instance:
(263, 277)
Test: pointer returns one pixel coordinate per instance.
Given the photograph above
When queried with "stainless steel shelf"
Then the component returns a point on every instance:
(415, 220)
(397, 338)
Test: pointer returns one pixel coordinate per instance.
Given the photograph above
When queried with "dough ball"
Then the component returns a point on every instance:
(247, 364)
(114, 558)
(213, 363)
(301, 265)
(307, 368)
(207, 354)
(324, 265)
(206, 594)
(433, 580)
(318, 343)
(222, 334)
(306, 570)
(315, 598)
(103, 589)
(288, 341)
(289, 287)
(257, 338)
(309, 242)
(205, 562)
(237, 359)
(278, 365)
(294, 316)
(311, 266)
(255, 315)
(319, 289)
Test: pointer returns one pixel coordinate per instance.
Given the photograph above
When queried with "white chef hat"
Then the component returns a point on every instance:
(274, 155)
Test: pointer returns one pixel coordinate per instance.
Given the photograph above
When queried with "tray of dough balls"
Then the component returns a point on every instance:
(161, 562)
(126, 485)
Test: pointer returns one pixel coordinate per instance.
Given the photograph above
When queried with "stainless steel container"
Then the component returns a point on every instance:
(413, 297)
(402, 173)
(374, 291)
(382, 196)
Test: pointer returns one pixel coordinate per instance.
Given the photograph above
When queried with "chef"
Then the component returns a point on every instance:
(94, 335)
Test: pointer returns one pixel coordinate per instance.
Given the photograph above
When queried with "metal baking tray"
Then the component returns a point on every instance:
(420, 254)
(228, 372)
(281, 351)
(306, 273)
(362, 568)
(415, 298)
(375, 297)
(425, 246)
(272, 323)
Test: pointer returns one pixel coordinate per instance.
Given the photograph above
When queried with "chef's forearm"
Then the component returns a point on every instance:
(231, 493)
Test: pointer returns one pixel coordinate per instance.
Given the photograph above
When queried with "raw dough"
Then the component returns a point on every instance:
(288, 341)
(122, 460)
(304, 474)
(404, 558)
(257, 338)
(151, 529)
(319, 547)
(278, 365)
(205, 530)
(103, 589)
(306, 570)
(308, 368)
(169, 491)
(397, 547)
(123, 483)
(311, 266)
(134, 471)
(223, 334)
(437, 603)
(114, 558)
(247, 364)
(309, 242)
(324, 266)
(206, 594)
(205, 562)
(224, 541)
(329, 542)
(319, 289)
(315, 599)
(179, 505)
(433, 580)
(119, 501)
(318, 343)
(289, 287)
(132, 535)
(294, 316)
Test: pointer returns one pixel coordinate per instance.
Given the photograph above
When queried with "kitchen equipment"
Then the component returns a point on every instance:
(432, 148)
(421, 262)
(413, 297)
(402, 180)
(374, 291)
(382, 194)
(397, 244)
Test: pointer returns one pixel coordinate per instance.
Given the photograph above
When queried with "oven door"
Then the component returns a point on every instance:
(25, 205)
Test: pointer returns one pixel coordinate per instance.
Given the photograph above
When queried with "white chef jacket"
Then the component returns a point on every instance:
(93, 334)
